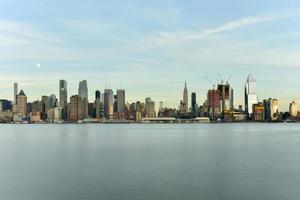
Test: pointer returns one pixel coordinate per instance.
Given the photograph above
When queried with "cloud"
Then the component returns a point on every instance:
(170, 38)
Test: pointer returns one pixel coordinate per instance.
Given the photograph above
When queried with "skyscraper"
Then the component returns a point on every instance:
(185, 99)
(97, 95)
(15, 93)
(83, 89)
(293, 109)
(22, 103)
(63, 98)
(108, 103)
(150, 108)
(193, 101)
(83, 93)
(121, 101)
(75, 108)
(52, 101)
(63, 94)
(250, 94)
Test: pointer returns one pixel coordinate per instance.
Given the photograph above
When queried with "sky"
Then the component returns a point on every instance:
(151, 47)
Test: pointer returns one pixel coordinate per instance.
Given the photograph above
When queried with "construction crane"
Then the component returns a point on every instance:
(221, 79)
(228, 79)
(213, 84)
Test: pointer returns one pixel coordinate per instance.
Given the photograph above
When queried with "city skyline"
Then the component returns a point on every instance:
(123, 44)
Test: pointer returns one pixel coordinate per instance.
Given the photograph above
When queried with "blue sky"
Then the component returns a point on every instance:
(150, 47)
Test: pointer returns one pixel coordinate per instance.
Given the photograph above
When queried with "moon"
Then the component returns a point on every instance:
(38, 65)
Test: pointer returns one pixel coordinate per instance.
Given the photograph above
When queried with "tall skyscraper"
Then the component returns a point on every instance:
(108, 103)
(22, 103)
(52, 101)
(63, 94)
(83, 89)
(97, 95)
(193, 101)
(185, 99)
(150, 108)
(250, 94)
(63, 98)
(83, 93)
(121, 101)
(75, 108)
(15, 93)
(271, 109)
(293, 109)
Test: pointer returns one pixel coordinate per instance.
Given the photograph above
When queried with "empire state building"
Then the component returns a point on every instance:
(185, 99)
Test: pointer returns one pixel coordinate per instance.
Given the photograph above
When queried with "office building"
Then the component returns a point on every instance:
(75, 108)
(15, 92)
(185, 100)
(108, 103)
(193, 102)
(22, 103)
(293, 109)
(250, 94)
(258, 111)
(120, 101)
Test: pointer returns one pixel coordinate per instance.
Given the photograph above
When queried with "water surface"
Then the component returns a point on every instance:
(169, 161)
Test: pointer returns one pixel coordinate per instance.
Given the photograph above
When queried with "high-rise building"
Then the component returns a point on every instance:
(22, 103)
(293, 109)
(193, 101)
(83, 93)
(150, 108)
(258, 111)
(63, 94)
(46, 103)
(5, 105)
(250, 94)
(271, 109)
(108, 103)
(52, 101)
(83, 89)
(121, 101)
(226, 97)
(213, 103)
(97, 95)
(75, 108)
(15, 92)
(185, 99)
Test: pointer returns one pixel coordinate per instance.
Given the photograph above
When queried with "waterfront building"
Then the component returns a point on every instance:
(293, 109)
(213, 103)
(15, 93)
(150, 108)
(63, 98)
(193, 102)
(5, 105)
(22, 103)
(120, 101)
(108, 103)
(63, 93)
(75, 108)
(83, 93)
(271, 109)
(225, 97)
(258, 111)
(250, 94)
(185, 100)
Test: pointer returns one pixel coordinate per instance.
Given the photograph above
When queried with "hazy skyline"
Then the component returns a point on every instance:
(150, 48)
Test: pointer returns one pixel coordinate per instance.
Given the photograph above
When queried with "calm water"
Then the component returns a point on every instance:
(127, 162)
